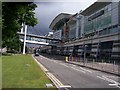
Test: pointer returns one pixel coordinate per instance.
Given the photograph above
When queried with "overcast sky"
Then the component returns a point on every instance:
(47, 11)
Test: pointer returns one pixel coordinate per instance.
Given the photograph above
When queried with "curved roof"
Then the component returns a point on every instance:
(59, 19)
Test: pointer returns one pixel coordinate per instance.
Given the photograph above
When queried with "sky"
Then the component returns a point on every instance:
(46, 11)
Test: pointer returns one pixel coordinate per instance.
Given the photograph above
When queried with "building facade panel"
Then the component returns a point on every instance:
(72, 30)
(96, 33)
(119, 12)
(57, 34)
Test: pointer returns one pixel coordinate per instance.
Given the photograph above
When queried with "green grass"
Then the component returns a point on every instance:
(21, 71)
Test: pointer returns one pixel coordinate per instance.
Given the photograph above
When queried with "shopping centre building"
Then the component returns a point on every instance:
(92, 33)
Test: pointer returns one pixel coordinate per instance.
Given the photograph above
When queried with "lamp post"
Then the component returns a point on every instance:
(84, 53)
(24, 39)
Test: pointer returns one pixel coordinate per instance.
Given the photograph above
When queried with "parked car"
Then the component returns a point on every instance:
(36, 54)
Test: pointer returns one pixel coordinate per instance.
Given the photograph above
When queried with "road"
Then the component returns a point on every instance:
(78, 77)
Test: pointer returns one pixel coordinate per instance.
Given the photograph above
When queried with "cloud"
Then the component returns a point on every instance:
(47, 11)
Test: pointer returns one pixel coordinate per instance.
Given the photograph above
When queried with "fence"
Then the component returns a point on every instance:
(111, 66)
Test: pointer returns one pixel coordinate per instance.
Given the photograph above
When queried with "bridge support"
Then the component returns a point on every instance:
(25, 39)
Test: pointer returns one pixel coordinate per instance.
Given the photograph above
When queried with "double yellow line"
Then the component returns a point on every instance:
(56, 82)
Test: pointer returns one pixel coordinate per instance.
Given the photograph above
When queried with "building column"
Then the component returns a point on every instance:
(77, 26)
(24, 39)
(119, 13)
(82, 26)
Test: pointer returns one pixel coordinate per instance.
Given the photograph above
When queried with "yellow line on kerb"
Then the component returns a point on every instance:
(56, 80)
(50, 75)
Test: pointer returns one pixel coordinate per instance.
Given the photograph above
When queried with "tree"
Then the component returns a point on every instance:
(13, 15)
(14, 43)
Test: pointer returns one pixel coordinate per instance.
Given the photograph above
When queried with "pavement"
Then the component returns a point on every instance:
(104, 67)
(76, 76)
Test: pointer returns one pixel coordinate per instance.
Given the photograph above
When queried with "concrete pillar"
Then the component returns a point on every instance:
(24, 39)
(119, 13)
(77, 26)
(82, 26)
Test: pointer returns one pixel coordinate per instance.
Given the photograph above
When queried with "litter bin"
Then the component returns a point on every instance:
(66, 58)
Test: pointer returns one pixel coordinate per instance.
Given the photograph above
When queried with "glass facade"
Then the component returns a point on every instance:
(102, 20)
(72, 31)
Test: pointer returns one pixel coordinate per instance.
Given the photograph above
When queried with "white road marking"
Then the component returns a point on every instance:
(118, 86)
(55, 61)
(114, 83)
(111, 76)
(74, 65)
(64, 65)
(100, 77)
(110, 80)
(78, 69)
(86, 70)
(83, 69)
(65, 86)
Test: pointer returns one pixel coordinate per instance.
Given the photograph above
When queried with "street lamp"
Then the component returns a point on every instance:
(85, 46)
(25, 39)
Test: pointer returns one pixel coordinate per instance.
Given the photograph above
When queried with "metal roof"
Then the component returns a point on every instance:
(94, 7)
(59, 20)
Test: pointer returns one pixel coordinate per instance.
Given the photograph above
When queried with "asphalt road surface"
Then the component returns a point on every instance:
(79, 77)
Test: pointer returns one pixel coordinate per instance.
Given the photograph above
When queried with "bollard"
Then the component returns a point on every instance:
(72, 58)
(66, 58)
(69, 58)
(113, 65)
(102, 65)
(93, 62)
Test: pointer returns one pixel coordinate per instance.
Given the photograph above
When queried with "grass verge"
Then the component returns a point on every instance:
(21, 71)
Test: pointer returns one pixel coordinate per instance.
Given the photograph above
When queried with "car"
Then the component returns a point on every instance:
(36, 54)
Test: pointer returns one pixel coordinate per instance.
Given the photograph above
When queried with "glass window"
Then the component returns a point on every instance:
(114, 5)
(114, 30)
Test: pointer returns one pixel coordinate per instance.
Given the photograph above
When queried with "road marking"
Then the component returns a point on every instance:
(114, 83)
(65, 86)
(74, 65)
(86, 70)
(78, 69)
(111, 76)
(118, 86)
(82, 68)
(55, 62)
(54, 78)
(110, 80)
(64, 65)
(100, 77)
(56, 82)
